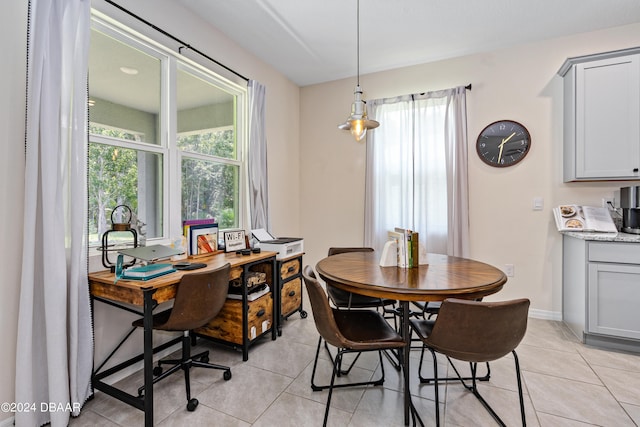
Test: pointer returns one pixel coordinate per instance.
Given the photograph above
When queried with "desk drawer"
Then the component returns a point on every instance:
(618, 252)
(291, 296)
(290, 269)
(227, 325)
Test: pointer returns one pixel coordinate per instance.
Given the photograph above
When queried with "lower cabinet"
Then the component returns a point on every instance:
(290, 286)
(601, 292)
(614, 300)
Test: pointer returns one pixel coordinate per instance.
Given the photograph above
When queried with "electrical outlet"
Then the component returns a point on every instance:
(509, 270)
(606, 201)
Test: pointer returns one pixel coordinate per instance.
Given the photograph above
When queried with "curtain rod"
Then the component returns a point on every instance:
(468, 87)
(184, 45)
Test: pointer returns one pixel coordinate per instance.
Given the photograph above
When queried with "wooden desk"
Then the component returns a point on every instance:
(442, 277)
(148, 294)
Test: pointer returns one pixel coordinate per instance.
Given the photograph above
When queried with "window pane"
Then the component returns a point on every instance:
(209, 190)
(124, 89)
(123, 176)
(206, 117)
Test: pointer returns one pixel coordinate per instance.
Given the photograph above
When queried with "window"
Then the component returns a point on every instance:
(166, 136)
(417, 170)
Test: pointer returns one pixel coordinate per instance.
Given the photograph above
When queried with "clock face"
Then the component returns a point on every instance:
(503, 143)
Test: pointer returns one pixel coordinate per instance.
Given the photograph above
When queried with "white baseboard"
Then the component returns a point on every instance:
(545, 314)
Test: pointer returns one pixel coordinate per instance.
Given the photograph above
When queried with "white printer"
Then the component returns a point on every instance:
(284, 246)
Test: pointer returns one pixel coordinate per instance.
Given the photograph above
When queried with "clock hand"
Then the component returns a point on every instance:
(502, 145)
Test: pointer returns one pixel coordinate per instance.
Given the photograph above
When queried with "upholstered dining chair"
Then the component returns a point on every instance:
(475, 331)
(349, 331)
(199, 299)
(347, 300)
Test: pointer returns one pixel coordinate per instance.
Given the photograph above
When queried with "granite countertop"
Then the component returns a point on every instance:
(604, 237)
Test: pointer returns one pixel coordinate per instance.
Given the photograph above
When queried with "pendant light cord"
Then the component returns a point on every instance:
(358, 42)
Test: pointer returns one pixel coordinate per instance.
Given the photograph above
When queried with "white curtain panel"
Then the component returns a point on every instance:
(416, 173)
(55, 348)
(258, 184)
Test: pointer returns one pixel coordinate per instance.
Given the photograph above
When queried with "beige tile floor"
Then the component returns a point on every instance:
(565, 384)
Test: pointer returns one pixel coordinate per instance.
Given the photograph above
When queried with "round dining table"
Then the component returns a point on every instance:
(437, 277)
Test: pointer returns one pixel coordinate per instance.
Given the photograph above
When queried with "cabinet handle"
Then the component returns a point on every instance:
(292, 293)
(260, 313)
(292, 268)
(635, 170)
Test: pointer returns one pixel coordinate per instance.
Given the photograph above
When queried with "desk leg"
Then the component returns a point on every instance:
(406, 335)
(148, 358)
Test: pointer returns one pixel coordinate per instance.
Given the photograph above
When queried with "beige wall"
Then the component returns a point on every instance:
(517, 83)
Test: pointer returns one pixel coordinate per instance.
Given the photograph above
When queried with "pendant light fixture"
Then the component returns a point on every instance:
(358, 123)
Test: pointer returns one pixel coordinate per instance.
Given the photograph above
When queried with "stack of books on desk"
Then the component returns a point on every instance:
(147, 272)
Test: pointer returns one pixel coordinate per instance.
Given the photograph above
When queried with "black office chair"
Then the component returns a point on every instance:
(349, 331)
(474, 331)
(199, 299)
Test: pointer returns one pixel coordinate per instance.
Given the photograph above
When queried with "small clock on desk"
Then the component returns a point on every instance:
(503, 143)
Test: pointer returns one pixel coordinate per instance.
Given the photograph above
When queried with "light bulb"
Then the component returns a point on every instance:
(358, 129)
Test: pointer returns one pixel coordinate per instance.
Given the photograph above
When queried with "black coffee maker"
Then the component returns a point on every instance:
(630, 204)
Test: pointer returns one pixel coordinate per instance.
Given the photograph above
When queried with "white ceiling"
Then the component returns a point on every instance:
(315, 41)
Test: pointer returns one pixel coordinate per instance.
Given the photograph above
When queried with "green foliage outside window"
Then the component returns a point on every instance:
(209, 187)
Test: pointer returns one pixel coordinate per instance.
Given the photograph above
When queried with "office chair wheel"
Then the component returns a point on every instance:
(226, 375)
(157, 371)
(192, 405)
(303, 314)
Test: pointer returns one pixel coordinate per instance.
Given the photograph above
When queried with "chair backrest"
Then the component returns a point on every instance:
(336, 251)
(322, 311)
(199, 299)
(342, 298)
(479, 331)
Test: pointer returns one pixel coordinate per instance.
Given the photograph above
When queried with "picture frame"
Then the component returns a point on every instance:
(203, 238)
(234, 240)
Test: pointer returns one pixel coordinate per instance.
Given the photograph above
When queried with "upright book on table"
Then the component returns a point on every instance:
(201, 235)
(584, 218)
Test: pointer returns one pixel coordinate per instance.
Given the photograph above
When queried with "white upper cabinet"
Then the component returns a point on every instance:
(602, 116)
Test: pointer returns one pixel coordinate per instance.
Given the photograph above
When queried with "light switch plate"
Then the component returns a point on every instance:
(538, 203)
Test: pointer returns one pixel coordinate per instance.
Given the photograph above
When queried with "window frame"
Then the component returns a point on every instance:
(171, 63)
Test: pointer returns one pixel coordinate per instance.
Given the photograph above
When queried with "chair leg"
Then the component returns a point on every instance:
(336, 362)
(517, 363)
(315, 365)
(435, 383)
(331, 384)
(458, 376)
(340, 370)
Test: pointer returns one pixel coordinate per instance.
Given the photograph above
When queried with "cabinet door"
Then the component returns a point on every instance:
(614, 300)
(608, 118)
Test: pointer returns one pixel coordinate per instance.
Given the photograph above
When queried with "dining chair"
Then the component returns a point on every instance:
(474, 332)
(347, 300)
(349, 331)
(199, 299)
(427, 310)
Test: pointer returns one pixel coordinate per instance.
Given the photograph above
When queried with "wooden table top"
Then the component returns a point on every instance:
(441, 277)
(101, 283)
